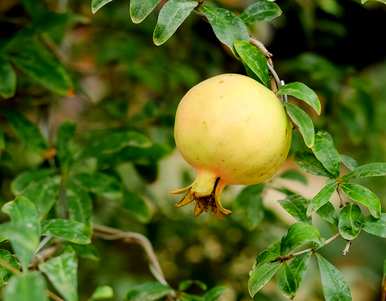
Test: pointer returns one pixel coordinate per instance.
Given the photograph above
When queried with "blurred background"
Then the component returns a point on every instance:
(121, 80)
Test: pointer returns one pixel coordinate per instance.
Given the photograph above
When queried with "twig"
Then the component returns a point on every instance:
(54, 296)
(132, 237)
(43, 255)
(341, 202)
(347, 248)
(290, 256)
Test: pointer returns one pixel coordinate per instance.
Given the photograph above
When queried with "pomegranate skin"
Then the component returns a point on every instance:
(232, 130)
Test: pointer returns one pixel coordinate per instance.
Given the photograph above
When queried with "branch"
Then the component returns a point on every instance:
(108, 233)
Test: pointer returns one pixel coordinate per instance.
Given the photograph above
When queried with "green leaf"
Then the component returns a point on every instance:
(269, 254)
(214, 293)
(140, 9)
(260, 275)
(39, 64)
(350, 221)
(2, 140)
(334, 286)
(248, 206)
(98, 4)
(262, 10)
(325, 151)
(29, 286)
(66, 132)
(21, 182)
(294, 175)
(44, 194)
(150, 291)
(102, 292)
(302, 92)
(86, 251)
(296, 205)
(364, 196)
(5, 274)
(349, 162)
(99, 183)
(303, 122)
(79, 204)
(68, 230)
(227, 27)
(328, 213)
(111, 143)
(323, 197)
(298, 235)
(26, 131)
(137, 206)
(171, 16)
(7, 79)
(24, 229)
(184, 285)
(367, 170)
(254, 59)
(62, 272)
(310, 164)
(376, 226)
(291, 275)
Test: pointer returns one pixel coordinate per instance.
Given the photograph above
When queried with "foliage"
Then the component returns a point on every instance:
(75, 154)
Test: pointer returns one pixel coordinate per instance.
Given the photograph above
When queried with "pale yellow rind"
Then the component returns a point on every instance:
(233, 127)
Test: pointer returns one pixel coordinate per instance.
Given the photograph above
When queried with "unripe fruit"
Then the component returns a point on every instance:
(232, 130)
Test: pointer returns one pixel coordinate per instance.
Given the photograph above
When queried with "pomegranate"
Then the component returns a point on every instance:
(232, 130)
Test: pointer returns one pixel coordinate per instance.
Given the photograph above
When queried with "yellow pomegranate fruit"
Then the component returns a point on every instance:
(232, 130)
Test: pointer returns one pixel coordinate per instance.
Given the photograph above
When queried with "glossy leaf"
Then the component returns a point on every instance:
(302, 92)
(44, 194)
(68, 230)
(291, 275)
(136, 206)
(248, 206)
(150, 291)
(322, 197)
(214, 293)
(227, 27)
(294, 175)
(100, 184)
(171, 16)
(140, 9)
(102, 292)
(350, 221)
(65, 134)
(260, 275)
(269, 254)
(367, 170)
(262, 10)
(298, 235)
(333, 284)
(5, 274)
(376, 226)
(364, 196)
(79, 204)
(7, 79)
(254, 59)
(325, 151)
(296, 205)
(26, 131)
(303, 122)
(29, 286)
(349, 162)
(62, 272)
(310, 164)
(23, 231)
(98, 4)
(21, 182)
(39, 64)
(328, 213)
(186, 284)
